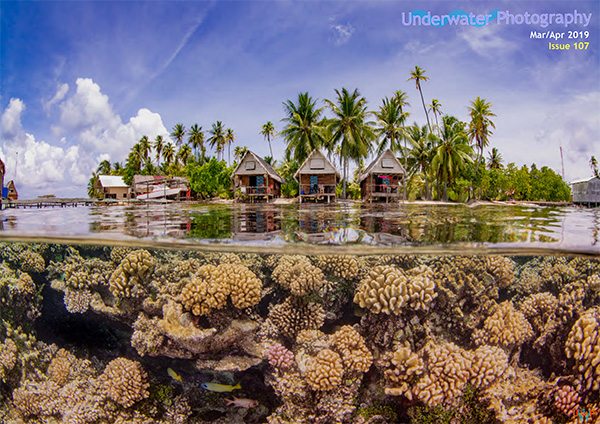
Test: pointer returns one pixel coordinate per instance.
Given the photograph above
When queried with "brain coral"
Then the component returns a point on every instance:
(297, 274)
(385, 290)
(131, 273)
(506, 327)
(352, 347)
(325, 371)
(342, 266)
(583, 345)
(294, 315)
(124, 382)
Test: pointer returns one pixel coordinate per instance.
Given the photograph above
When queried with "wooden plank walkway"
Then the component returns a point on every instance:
(47, 202)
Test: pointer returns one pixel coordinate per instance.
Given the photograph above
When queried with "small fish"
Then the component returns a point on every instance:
(220, 388)
(174, 375)
(242, 403)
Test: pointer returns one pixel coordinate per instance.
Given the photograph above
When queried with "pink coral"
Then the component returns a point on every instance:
(566, 400)
(279, 356)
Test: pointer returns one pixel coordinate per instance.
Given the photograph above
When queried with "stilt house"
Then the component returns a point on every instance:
(317, 177)
(587, 191)
(255, 180)
(382, 180)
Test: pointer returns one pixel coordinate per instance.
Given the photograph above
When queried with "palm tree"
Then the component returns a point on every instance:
(92, 188)
(479, 128)
(391, 121)
(184, 153)
(594, 166)
(158, 146)
(229, 140)
(419, 75)
(495, 159)
(268, 131)
(452, 154)
(421, 154)
(196, 139)
(104, 168)
(436, 108)
(303, 131)
(178, 133)
(239, 152)
(135, 157)
(169, 153)
(145, 147)
(350, 129)
(117, 168)
(217, 137)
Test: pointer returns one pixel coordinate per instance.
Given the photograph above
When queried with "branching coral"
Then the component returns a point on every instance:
(506, 327)
(59, 370)
(342, 266)
(295, 314)
(132, 273)
(438, 374)
(325, 371)
(538, 308)
(280, 357)
(583, 345)
(351, 346)
(566, 400)
(209, 290)
(32, 262)
(297, 274)
(385, 290)
(77, 301)
(37, 398)
(502, 269)
(124, 382)
(8, 357)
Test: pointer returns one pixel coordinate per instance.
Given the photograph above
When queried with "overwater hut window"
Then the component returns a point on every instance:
(317, 164)
(250, 165)
(387, 163)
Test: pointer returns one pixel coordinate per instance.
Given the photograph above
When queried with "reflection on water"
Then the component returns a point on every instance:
(339, 224)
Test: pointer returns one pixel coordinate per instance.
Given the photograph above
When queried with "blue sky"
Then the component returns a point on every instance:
(83, 81)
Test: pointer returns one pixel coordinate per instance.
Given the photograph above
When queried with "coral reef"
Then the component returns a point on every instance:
(506, 327)
(279, 356)
(297, 274)
(583, 345)
(566, 401)
(324, 372)
(295, 314)
(342, 266)
(124, 382)
(132, 274)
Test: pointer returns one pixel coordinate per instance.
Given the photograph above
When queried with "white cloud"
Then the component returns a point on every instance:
(61, 92)
(487, 41)
(89, 117)
(341, 33)
(38, 165)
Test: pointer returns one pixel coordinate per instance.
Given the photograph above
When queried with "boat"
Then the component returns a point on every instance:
(159, 191)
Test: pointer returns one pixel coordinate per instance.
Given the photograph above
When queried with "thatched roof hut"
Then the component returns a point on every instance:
(382, 178)
(254, 179)
(317, 177)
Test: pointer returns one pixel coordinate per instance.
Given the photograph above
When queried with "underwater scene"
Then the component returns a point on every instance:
(97, 331)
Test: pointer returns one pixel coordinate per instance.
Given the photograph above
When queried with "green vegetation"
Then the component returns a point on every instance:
(444, 159)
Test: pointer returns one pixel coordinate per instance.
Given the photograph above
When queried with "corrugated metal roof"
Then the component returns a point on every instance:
(112, 181)
(583, 180)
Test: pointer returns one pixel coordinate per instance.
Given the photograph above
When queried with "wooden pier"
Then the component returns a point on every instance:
(46, 202)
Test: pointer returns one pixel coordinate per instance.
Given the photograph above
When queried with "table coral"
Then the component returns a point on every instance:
(297, 274)
(506, 327)
(124, 381)
(583, 345)
(132, 273)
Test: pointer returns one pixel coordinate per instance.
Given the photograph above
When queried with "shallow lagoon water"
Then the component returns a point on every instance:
(340, 313)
